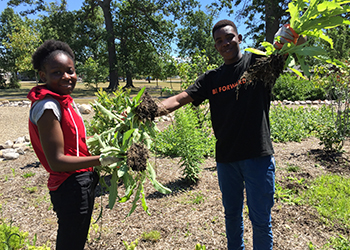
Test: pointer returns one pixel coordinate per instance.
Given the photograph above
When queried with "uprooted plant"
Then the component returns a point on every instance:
(124, 128)
(316, 16)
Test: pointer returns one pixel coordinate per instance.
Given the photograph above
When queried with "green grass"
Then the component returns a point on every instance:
(27, 175)
(86, 95)
(338, 243)
(153, 236)
(330, 195)
(292, 168)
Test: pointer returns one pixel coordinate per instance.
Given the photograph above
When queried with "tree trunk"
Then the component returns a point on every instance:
(272, 19)
(129, 83)
(112, 58)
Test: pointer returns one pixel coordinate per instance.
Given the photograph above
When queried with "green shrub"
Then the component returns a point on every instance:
(289, 87)
(152, 236)
(10, 236)
(132, 245)
(115, 102)
(187, 140)
(295, 124)
(336, 129)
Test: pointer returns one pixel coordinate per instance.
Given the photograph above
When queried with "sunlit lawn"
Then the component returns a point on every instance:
(86, 95)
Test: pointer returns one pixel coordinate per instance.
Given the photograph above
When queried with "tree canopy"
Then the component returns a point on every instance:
(132, 38)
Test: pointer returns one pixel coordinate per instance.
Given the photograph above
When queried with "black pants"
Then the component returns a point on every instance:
(73, 203)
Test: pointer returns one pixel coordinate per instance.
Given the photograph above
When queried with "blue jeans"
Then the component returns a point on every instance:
(257, 175)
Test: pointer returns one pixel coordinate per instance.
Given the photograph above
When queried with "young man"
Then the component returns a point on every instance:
(244, 152)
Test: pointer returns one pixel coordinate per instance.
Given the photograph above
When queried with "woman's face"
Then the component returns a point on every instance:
(59, 74)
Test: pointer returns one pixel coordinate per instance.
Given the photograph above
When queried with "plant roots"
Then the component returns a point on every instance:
(147, 109)
(137, 156)
(265, 69)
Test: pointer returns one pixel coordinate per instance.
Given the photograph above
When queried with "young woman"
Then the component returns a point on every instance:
(58, 137)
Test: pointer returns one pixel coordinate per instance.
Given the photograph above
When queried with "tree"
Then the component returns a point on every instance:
(23, 41)
(340, 36)
(264, 17)
(171, 68)
(9, 22)
(84, 35)
(139, 27)
(59, 24)
(144, 34)
(196, 35)
(90, 7)
(93, 72)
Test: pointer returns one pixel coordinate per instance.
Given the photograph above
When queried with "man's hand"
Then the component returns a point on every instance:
(108, 160)
(287, 35)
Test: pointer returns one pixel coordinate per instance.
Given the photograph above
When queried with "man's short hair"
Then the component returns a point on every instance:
(223, 23)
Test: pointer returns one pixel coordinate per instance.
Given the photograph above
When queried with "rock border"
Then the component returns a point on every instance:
(11, 150)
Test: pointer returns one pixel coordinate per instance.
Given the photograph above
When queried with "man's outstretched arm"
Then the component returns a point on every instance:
(172, 103)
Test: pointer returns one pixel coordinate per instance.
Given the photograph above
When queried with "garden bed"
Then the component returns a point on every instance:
(190, 215)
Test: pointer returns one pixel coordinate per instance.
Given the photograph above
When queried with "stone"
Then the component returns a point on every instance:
(8, 144)
(8, 150)
(20, 140)
(85, 108)
(20, 151)
(27, 138)
(20, 145)
(11, 156)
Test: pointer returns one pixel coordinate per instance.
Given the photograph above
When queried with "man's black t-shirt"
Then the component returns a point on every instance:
(240, 119)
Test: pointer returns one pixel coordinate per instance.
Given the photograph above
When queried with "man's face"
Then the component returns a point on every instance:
(227, 44)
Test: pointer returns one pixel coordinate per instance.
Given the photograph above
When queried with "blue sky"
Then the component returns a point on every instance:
(77, 4)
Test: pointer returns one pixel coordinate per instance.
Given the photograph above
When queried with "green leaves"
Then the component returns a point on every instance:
(113, 190)
(319, 15)
(152, 177)
(119, 133)
(316, 17)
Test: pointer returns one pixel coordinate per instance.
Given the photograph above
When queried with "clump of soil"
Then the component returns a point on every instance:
(137, 156)
(265, 69)
(148, 108)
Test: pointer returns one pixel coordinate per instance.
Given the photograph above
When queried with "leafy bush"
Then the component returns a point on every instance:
(289, 87)
(335, 130)
(128, 137)
(295, 124)
(10, 236)
(187, 140)
(2, 82)
(94, 72)
(14, 83)
(116, 102)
